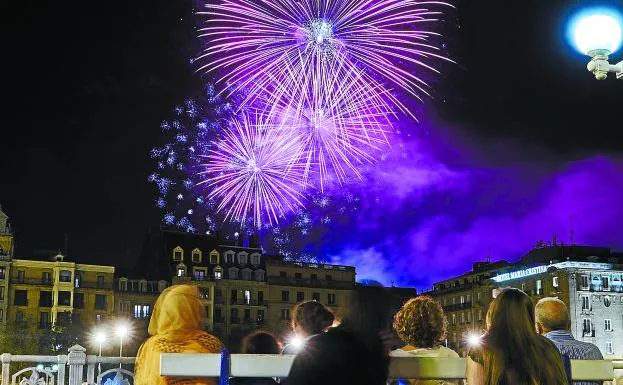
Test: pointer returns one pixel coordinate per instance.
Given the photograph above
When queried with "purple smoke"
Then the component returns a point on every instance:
(429, 216)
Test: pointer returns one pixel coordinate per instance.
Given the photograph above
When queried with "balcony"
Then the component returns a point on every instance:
(252, 302)
(458, 306)
(306, 282)
(32, 281)
(461, 287)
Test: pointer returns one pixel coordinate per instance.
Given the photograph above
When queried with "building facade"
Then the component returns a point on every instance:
(6, 253)
(587, 279)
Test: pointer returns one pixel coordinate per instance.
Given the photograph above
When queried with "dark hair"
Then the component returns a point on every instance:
(511, 348)
(421, 322)
(260, 342)
(312, 316)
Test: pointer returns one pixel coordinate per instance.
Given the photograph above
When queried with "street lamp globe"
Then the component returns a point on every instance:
(122, 331)
(598, 30)
(100, 337)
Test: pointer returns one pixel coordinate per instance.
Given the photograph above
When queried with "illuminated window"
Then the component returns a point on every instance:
(247, 297)
(142, 311)
(2, 273)
(539, 287)
(218, 273)
(331, 299)
(316, 297)
(300, 296)
(453, 319)
(285, 314)
(555, 281)
(479, 314)
(214, 257)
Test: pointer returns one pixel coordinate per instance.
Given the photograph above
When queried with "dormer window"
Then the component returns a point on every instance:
(196, 256)
(229, 257)
(246, 274)
(242, 258)
(233, 273)
(255, 259)
(214, 257)
(123, 284)
(142, 284)
(178, 254)
(181, 270)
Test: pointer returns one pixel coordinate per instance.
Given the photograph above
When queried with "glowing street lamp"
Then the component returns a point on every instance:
(598, 32)
(122, 332)
(100, 338)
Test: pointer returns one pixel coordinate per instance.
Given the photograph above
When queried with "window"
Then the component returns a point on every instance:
(468, 298)
(78, 301)
(246, 274)
(100, 301)
(242, 258)
(234, 316)
(100, 281)
(585, 302)
(178, 254)
(298, 275)
(1, 315)
(45, 299)
(247, 315)
(316, 297)
(285, 314)
(328, 277)
(555, 281)
(44, 320)
(142, 311)
(314, 277)
(218, 316)
(21, 274)
(123, 285)
(605, 282)
(462, 317)
(204, 292)
(98, 318)
(46, 277)
(469, 317)
(453, 319)
(300, 296)
(229, 257)
(19, 316)
(200, 274)
(124, 306)
(608, 325)
(2, 273)
(285, 296)
(282, 274)
(214, 257)
(181, 270)
(586, 327)
(196, 256)
(539, 287)
(479, 314)
(234, 296)
(462, 299)
(233, 273)
(218, 273)
(478, 296)
(77, 281)
(259, 275)
(64, 276)
(260, 316)
(1, 293)
(584, 281)
(247, 297)
(260, 297)
(607, 301)
(331, 299)
(255, 259)
(64, 298)
(609, 348)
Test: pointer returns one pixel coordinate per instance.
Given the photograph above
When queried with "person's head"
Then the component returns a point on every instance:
(311, 318)
(421, 323)
(511, 344)
(551, 314)
(260, 342)
(177, 310)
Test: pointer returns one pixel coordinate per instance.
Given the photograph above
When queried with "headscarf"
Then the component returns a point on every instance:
(174, 327)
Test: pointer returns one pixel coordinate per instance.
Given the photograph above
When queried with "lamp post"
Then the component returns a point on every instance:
(122, 332)
(100, 337)
(598, 32)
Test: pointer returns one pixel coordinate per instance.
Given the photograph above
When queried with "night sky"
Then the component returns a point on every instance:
(518, 143)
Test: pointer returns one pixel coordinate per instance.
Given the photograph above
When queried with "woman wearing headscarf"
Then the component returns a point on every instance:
(174, 327)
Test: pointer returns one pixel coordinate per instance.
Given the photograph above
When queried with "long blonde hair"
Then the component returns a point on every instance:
(512, 351)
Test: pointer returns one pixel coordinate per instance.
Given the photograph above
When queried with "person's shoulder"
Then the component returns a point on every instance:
(591, 351)
(447, 352)
(209, 342)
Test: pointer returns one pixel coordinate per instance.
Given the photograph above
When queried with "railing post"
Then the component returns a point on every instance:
(62, 363)
(76, 360)
(91, 360)
(6, 368)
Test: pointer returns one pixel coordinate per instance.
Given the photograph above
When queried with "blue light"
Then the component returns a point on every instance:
(596, 28)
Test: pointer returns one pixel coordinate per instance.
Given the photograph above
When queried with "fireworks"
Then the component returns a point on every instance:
(253, 169)
(270, 46)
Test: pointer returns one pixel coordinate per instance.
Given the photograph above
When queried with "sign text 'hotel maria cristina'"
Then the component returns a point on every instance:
(542, 269)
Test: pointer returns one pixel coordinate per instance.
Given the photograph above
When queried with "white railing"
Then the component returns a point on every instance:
(51, 370)
(256, 365)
